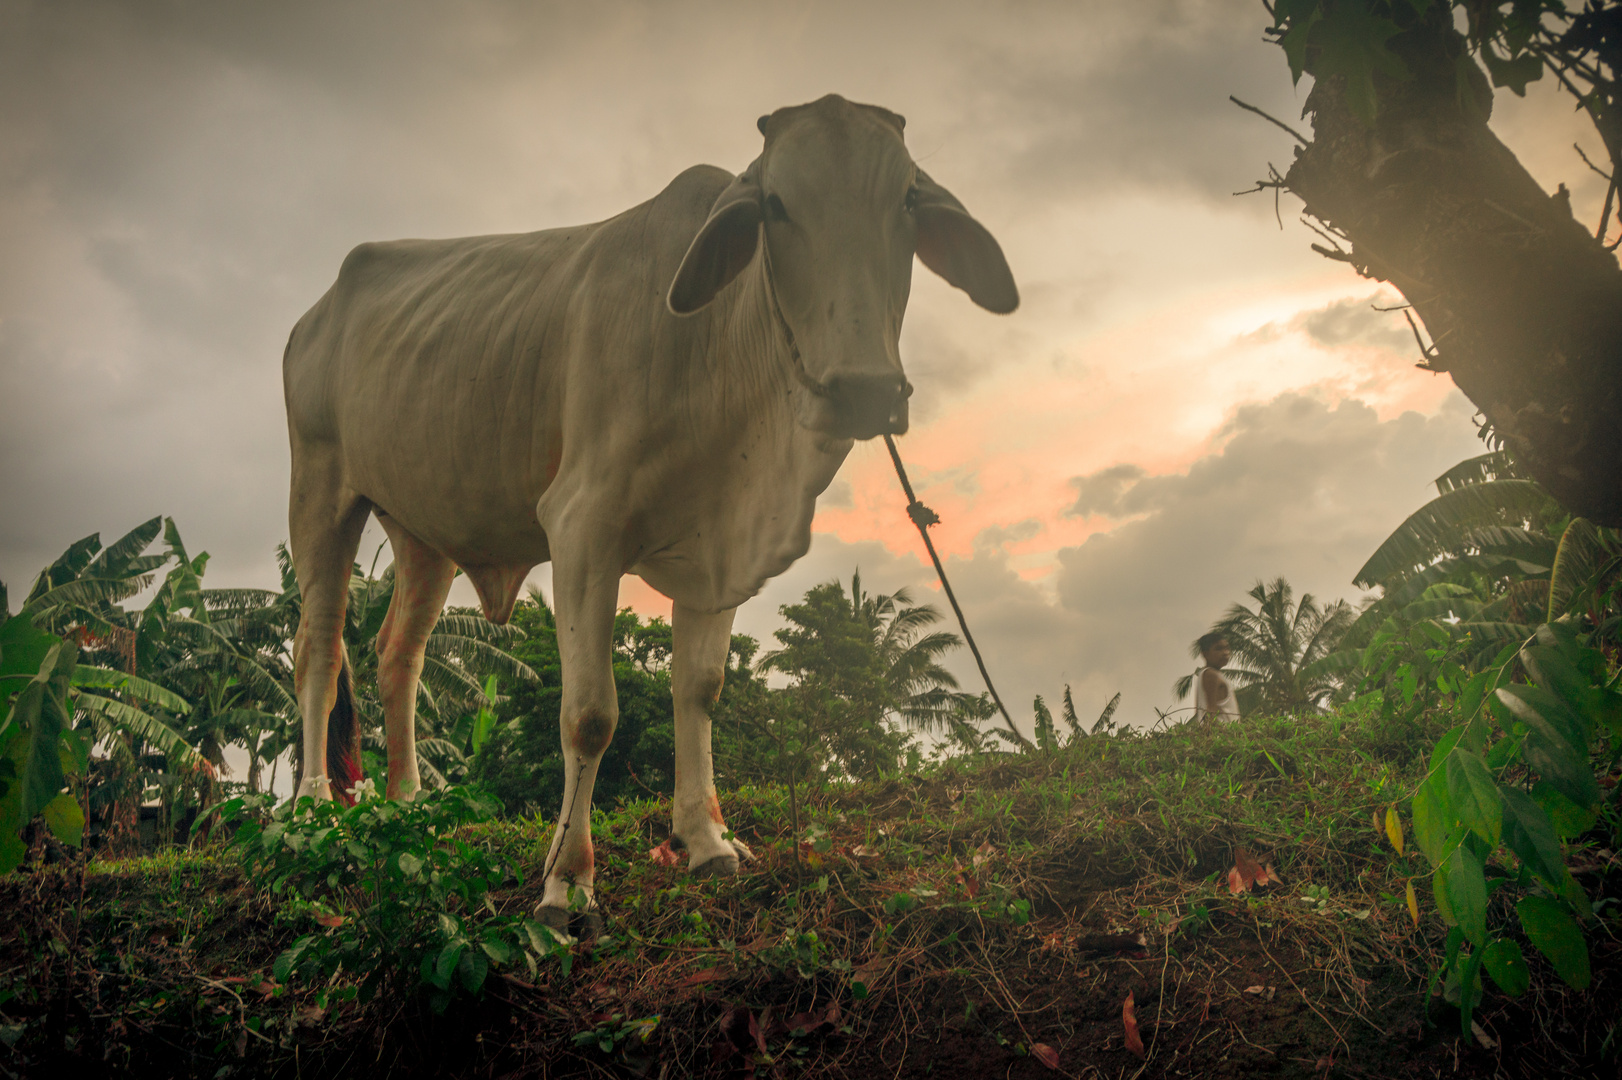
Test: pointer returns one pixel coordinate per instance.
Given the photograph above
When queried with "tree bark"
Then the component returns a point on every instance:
(1523, 303)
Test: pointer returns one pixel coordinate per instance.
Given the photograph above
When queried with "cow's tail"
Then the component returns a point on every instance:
(343, 738)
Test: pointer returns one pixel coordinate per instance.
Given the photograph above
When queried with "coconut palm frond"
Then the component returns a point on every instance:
(477, 627)
(1106, 719)
(1440, 527)
(87, 676)
(117, 716)
(481, 656)
(1496, 465)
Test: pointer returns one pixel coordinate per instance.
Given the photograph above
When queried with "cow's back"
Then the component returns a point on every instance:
(436, 372)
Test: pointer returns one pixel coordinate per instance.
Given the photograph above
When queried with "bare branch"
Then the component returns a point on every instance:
(1590, 164)
(1300, 138)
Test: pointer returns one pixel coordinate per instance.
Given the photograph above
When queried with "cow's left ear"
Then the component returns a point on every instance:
(722, 248)
(960, 249)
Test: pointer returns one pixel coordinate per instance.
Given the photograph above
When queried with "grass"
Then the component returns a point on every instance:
(970, 920)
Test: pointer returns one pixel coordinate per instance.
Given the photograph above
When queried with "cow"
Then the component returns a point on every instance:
(664, 393)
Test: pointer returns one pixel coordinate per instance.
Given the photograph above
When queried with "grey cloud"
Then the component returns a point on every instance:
(1101, 492)
(1355, 322)
(998, 537)
(1138, 95)
(838, 494)
(1298, 488)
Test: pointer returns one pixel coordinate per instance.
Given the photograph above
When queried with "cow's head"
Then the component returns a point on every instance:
(842, 209)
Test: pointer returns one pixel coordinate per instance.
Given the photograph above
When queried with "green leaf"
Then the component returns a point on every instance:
(472, 970)
(1433, 818)
(1570, 820)
(1474, 795)
(1465, 884)
(1514, 74)
(444, 967)
(22, 648)
(1530, 834)
(410, 864)
(100, 678)
(1547, 749)
(1351, 43)
(40, 712)
(1528, 702)
(65, 818)
(1506, 965)
(1555, 933)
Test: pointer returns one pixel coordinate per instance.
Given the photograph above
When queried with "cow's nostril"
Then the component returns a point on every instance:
(867, 405)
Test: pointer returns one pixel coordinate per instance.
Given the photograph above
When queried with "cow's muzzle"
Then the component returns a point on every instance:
(864, 406)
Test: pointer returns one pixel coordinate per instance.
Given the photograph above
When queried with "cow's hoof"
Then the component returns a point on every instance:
(585, 926)
(720, 866)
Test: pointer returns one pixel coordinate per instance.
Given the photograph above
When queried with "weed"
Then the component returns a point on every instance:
(398, 897)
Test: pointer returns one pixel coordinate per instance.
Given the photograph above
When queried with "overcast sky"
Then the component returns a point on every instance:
(1187, 401)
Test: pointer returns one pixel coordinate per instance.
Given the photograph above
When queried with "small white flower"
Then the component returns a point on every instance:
(366, 789)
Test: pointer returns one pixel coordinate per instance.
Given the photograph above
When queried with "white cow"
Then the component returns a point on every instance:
(664, 393)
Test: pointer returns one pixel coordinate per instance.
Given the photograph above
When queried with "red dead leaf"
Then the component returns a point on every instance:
(1129, 1020)
(697, 977)
(1247, 872)
(664, 855)
(331, 922)
(1045, 1054)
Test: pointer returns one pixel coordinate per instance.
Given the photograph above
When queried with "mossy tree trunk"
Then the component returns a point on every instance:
(1523, 303)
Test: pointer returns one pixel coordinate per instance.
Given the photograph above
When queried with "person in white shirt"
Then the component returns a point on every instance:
(1213, 694)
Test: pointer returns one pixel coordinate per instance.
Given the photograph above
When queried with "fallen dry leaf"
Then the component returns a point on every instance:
(1129, 1020)
(984, 852)
(664, 855)
(330, 921)
(1487, 1041)
(698, 977)
(1247, 872)
(1045, 1054)
(1263, 993)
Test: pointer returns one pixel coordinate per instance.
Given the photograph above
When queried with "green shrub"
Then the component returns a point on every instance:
(399, 898)
(1510, 787)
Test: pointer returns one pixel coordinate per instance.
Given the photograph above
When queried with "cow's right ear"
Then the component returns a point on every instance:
(722, 248)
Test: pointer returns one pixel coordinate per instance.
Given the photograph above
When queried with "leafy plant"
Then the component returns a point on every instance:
(400, 899)
(1504, 789)
(39, 750)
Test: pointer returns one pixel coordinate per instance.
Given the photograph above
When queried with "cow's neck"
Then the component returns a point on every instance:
(757, 344)
(763, 471)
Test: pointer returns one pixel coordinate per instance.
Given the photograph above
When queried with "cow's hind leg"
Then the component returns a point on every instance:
(325, 520)
(422, 579)
(585, 587)
(697, 672)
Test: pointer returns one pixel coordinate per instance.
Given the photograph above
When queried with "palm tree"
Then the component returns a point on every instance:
(1492, 556)
(1279, 648)
(873, 649)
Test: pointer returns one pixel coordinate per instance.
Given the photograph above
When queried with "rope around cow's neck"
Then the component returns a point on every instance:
(923, 517)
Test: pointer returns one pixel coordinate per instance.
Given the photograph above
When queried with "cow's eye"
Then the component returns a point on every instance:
(911, 201)
(774, 209)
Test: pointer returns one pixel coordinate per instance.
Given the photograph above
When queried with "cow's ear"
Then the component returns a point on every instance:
(960, 249)
(722, 248)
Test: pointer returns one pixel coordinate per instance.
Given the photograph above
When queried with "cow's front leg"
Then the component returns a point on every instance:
(697, 672)
(585, 592)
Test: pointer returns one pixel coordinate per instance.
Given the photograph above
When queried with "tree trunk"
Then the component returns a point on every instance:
(1523, 303)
